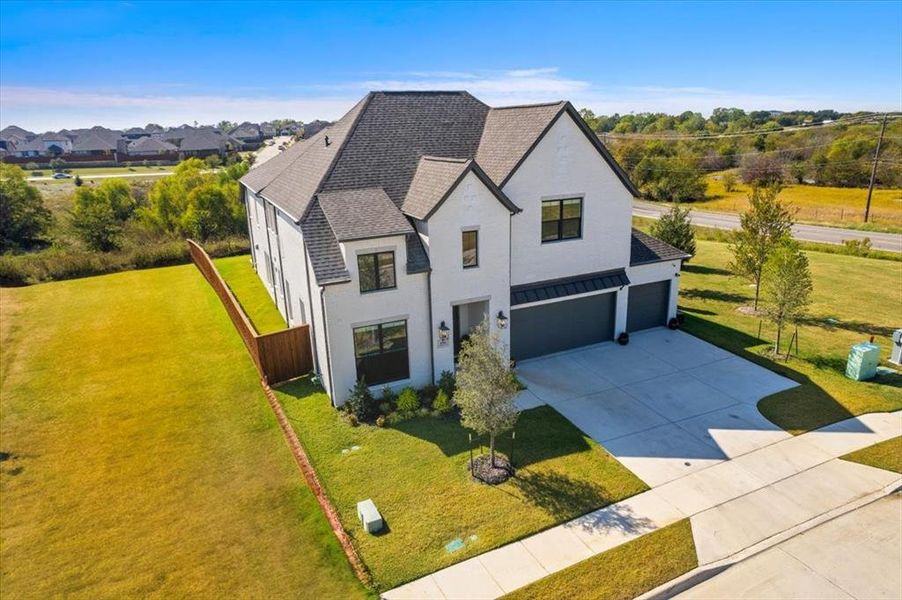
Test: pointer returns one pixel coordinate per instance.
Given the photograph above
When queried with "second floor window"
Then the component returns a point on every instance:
(470, 243)
(562, 219)
(376, 271)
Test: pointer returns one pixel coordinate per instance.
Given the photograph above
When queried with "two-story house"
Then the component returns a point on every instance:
(418, 215)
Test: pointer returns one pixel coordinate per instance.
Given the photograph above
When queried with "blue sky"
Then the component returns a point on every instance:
(119, 64)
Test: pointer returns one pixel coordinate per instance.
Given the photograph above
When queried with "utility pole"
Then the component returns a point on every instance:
(867, 207)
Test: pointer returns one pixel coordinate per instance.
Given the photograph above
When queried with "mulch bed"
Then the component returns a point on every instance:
(484, 471)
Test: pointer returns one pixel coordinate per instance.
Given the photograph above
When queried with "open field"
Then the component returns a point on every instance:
(853, 299)
(241, 278)
(817, 204)
(140, 457)
(885, 455)
(416, 473)
(87, 172)
(623, 572)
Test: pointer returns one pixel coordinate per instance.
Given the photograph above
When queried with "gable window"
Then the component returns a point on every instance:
(376, 271)
(470, 244)
(381, 352)
(562, 219)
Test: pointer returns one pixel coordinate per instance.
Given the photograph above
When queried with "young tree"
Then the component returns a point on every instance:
(787, 286)
(99, 213)
(764, 226)
(729, 181)
(675, 228)
(213, 161)
(485, 386)
(23, 217)
(57, 165)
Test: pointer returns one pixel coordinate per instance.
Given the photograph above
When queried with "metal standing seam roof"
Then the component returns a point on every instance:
(645, 249)
(568, 286)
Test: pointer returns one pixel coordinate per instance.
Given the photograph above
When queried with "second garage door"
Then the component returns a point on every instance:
(647, 306)
(558, 326)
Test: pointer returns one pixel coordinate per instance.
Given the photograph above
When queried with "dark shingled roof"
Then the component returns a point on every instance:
(509, 134)
(92, 141)
(645, 249)
(325, 255)
(568, 286)
(362, 214)
(381, 144)
(436, 178)
(149, 144)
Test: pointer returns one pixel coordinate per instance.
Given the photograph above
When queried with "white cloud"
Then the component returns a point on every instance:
(47, 108)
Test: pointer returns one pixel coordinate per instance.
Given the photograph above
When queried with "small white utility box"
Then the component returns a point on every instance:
(863, 361)
(369, 516)
(896, 351)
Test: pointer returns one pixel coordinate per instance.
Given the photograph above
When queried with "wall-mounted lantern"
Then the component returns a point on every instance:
(501, 320)
(443, 334)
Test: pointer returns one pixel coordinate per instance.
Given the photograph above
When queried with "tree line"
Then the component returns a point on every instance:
(672, 167)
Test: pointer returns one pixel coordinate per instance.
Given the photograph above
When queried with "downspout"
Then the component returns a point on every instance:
(281, 268)
(322, 301)
(250, 230)
(431, 338)
(310, 304)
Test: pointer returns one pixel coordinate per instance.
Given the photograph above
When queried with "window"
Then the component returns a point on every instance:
(381, 352)
(376, 271)
(562, 219)
(470, 243)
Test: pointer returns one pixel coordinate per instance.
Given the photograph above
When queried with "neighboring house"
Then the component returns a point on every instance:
(248, 134)
(201, 141)
(93, 143)
(135, 133)
(418, 215)
(149, 146)
(34, 147)
(267, 130)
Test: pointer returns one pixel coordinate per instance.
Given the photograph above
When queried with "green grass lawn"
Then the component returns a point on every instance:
(817, 204)
(853, 299)
(885, 455)
(140, 457)
(623, 572)
(239, 274)
(416, 473)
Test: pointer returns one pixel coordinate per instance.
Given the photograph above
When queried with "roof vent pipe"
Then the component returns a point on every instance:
(327, 140)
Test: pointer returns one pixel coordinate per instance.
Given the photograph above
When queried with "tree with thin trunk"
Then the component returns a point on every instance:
(763, 227)
(675, 228)
(486, 386)
(787, 287)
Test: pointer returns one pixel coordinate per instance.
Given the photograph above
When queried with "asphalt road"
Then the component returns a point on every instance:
(107, 176)
(808, 233)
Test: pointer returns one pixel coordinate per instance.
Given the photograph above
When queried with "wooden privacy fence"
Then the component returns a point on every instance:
(279, 356)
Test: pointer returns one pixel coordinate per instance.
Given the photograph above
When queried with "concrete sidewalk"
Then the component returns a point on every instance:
(733, 505)
(857, 555)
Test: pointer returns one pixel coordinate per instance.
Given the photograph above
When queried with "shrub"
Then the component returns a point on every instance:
(380, 421)
(361, 403)
(388, 395)
(37, 173)
(24, 220)
(442, 404)
(729, 181)
(858, 247)
(761, 170)
(78, 181)
(353, 421)
(675, 228)
(427, 394)
(408, 400)
(385, 407)
(31, 166)
(396, 417)
(446, 383)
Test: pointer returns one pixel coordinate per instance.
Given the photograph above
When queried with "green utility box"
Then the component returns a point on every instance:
(863, 360)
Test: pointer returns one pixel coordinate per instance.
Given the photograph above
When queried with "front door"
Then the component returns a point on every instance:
(466, 317)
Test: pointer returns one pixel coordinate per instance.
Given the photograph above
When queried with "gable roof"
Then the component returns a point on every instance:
(151, 144)
(390, 142)
(645, 249)
(362, 214)
(435, 179)
(203, 138)
(92, 141)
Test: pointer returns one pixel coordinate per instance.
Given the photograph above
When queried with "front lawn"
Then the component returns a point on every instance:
(416, 473)
(623, 572)
(853, 299)
(885, 455)
(139, 455)
(241, 278)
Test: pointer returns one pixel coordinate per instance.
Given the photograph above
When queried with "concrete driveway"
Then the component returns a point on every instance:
(666, 405)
